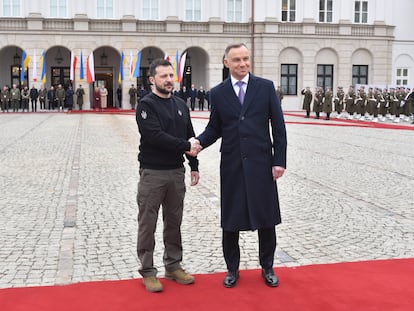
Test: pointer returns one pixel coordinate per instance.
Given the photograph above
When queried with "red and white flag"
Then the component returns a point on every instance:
(167, 57)
(34, 63)
(90, 69)
(131, 65)
(181, 67)
(73, 61)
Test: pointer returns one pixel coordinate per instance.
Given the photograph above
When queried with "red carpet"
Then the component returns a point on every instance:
(373, 285)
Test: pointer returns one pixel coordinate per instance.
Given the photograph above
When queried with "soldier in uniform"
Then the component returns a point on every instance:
(406, 106)
(371, 103)
(382, 100)
(279, 93)
(80, 92)
(25, 94)
(318, 102)
(15, 98)
(133, 96)
(350, 102)
(375, 104)
(327, 103)
(339, 101)
(394, 105)
(411, 99)
(307, 100)
(5, 97)
(409, 104)
(361, 103)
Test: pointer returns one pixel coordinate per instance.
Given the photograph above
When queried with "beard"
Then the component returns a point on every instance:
(163, 89)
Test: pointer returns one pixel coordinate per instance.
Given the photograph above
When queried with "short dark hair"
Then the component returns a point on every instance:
(233, 46)
(156, 63)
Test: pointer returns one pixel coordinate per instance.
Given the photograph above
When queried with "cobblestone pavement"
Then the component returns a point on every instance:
(68, 210)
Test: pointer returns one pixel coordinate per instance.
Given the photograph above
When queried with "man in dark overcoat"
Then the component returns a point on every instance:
(251, 160)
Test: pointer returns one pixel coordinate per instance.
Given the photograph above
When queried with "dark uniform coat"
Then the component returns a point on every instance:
(249, 198)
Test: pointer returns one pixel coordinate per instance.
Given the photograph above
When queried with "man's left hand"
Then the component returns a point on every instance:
(195, 176)
(277, 172)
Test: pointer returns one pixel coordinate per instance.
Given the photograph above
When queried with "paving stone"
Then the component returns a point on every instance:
(69, 211)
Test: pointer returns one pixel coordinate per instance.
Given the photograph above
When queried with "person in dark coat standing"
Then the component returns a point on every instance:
(251, 160)
(34, 94)
(119, 96)
(51, 98)
(201, 95)
(69, 97)
(192, 94)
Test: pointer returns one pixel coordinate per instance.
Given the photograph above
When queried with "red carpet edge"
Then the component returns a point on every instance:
(368, 285)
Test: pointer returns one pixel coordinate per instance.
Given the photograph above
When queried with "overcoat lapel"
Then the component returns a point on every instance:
(230, 96)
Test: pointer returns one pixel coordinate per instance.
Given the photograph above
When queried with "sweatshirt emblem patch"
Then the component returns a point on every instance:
(144, 114)
(180, 113)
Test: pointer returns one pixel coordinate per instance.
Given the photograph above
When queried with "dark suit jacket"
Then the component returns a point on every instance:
(249, 149)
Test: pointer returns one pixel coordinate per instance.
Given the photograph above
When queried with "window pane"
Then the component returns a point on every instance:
(364, 17)
(328, 70)
(292, 16)
(320, 70)
(365, 6)
(284, 16)
(321, 5)
(197, 4)
(284, 69)
(321, 17)
(329, 5)
(363, 71)
(319, 82)
(293, 4)
(357, 5)
(328, 82)
(329, 17)
(405, 72)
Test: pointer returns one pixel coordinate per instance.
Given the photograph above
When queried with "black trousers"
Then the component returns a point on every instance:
(267, 247)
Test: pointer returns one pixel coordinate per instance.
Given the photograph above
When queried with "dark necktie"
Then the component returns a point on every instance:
(241, 91)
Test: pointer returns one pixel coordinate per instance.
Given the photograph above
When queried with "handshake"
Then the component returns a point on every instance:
(195, 147)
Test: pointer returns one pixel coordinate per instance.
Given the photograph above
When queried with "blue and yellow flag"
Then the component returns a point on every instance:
(122, 63)
(43, 66)
(137, 65)
(25, 65)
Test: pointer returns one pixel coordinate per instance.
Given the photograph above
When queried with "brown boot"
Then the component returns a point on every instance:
(180, 276)
(152, 284)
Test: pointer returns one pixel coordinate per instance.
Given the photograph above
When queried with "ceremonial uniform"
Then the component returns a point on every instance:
(307, 101)
(5, 98)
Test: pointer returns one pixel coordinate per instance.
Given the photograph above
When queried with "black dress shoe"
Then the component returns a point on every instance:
(231, 278)
(270, 278)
